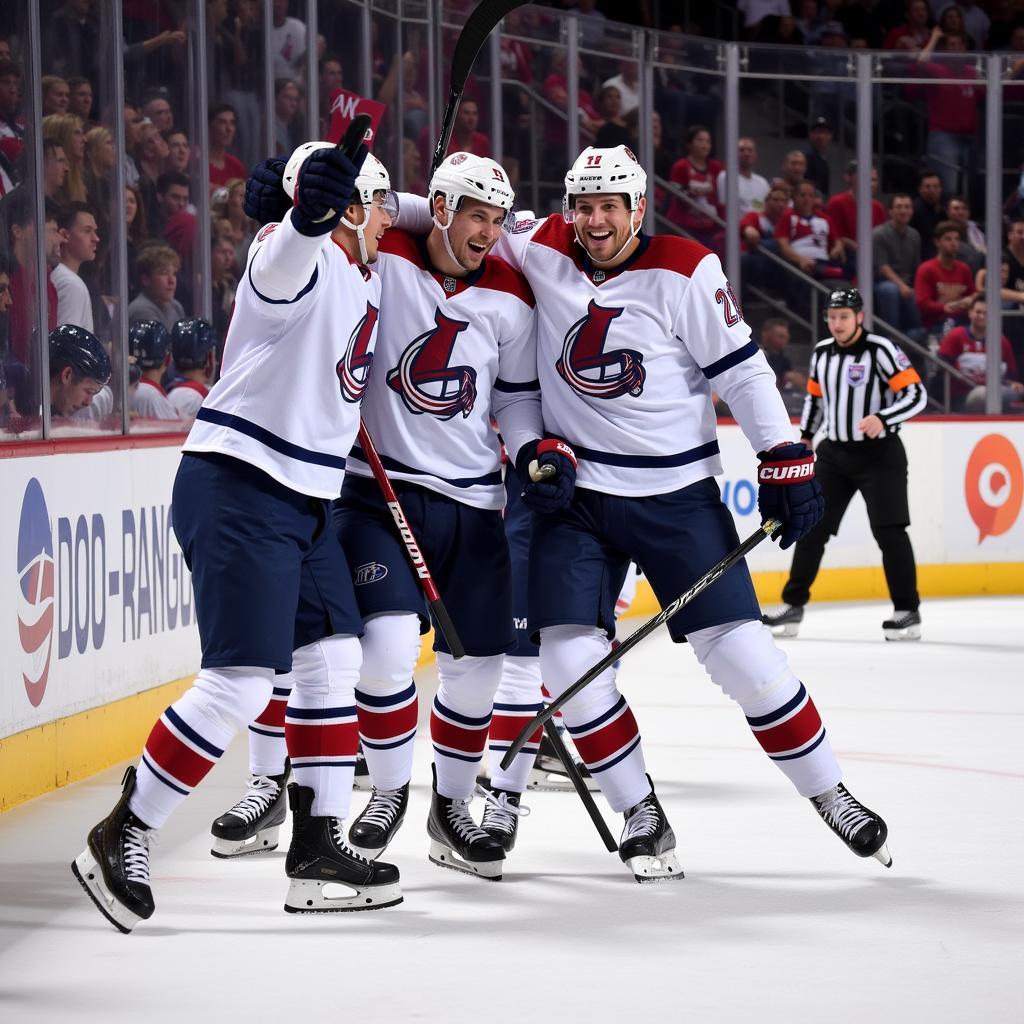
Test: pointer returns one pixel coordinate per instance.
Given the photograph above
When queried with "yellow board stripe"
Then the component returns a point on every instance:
(44, 758)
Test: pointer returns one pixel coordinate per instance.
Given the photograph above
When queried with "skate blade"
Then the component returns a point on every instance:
(558, 784)
(790, 629)
(910, 633)
(263, 842)
(307, 896)
(445, 857)
(663, 868)
(87, 871)
(882, 854)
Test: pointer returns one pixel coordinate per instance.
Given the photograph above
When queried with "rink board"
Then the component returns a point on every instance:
(98, 628)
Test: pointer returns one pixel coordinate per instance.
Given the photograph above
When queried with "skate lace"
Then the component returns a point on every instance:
(338, 834)
(262, 792)
(499, 812)
(137, 844)
(462, 821)
(383, 807)
(642, 822)
(843, 813)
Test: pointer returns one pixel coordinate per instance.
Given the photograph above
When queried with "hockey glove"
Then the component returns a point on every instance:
(554, 492)
(787, 491)
(266, 201)
(324, 190)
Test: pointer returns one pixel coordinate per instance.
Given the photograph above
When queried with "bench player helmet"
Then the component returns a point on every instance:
(845, 298)
(192, 341)
(80, 349)
(149, 343)
(463, 176)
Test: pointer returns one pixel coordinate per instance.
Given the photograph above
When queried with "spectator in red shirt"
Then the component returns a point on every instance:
(914, 34)
(944, 286)
(807, 239)
(757, 228)
(952, 110)
(964, 348)
(696, 174)
(842, 209)
(223, 125)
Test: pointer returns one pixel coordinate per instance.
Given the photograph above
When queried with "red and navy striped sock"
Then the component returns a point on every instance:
(267, 747)
(459, 742)
(322, 743)
(387, 729)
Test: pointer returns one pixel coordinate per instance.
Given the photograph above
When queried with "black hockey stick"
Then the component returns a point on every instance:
(551, 730)
(478, 27)
(767, 529)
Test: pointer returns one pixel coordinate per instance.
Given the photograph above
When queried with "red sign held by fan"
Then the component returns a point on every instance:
(347, 105)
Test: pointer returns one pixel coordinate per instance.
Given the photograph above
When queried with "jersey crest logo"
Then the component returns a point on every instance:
(618, 372)
(353, 368)
(424, 379)
(856, 374)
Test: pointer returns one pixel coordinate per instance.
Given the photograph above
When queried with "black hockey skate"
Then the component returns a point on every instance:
(114, 866)
(361, 780)
(548, 772)
(903, 626)
(861, 829)
(326, 875)
(785, 622)
(371, 833)
(458, 842)
(253, 824)
(502, 812)
(648, 844)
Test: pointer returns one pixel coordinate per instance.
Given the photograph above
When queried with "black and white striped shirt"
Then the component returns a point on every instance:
(872, 376)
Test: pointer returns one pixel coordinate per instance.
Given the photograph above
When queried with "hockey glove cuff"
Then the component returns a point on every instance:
(788, 491)
(554, 492)
(324, 190)
(265, 198)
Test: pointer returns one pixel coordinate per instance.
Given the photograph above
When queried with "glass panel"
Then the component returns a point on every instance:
(1012, 193)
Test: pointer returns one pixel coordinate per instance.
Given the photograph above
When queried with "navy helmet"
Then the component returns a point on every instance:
(192, 340)
(81, 350)
(149, 343)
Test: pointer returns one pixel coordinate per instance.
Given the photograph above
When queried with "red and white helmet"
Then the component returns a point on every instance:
(615, 170)
(465, 176)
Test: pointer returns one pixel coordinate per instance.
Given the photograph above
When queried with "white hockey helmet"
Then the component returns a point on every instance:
(465, 176)
(615, 170)
(291, 169)
(373, 175)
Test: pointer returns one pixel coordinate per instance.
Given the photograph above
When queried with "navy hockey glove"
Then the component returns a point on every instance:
(553, 492)
(324, 189)
(265, 198)
(787, 491)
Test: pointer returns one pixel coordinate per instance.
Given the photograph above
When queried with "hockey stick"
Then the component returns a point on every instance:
(412, 549)
(478, 27)
(766, 529)
(551, 731)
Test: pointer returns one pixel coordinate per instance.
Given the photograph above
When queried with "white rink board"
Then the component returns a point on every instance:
(99, 556)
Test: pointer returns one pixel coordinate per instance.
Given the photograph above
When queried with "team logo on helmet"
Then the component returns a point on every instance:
(353, 368)
(424, 379)
(588, 369)
(459, 158)
(35, 600)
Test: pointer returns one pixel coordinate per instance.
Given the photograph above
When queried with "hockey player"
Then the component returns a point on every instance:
(251, 501)
(633, 332)
(150, 344)
(79, 369)
(194, 348)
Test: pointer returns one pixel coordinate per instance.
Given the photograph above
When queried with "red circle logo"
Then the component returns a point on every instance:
(994, 485)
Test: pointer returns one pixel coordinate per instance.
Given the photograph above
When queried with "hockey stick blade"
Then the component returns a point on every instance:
(551, 731)
(767, 529)
(478, 27)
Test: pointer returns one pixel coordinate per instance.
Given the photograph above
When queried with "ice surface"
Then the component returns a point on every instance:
(775, 920)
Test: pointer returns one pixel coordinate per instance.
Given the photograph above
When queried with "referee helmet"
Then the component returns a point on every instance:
(845, 298)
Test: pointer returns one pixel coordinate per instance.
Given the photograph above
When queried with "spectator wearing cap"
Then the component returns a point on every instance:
(752, 187)
(944, 286)
(149, 344)
(972, 244)
(897, 254)
(79, 237)
(158, 267)
(819, 138)
(929, 211)
(914, 33)
(223, 124)
(842, 208)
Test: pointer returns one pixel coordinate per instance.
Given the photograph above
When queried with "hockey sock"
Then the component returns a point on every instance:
(386, 700)
(599, 720)
(459, 719)
(518, 699)
(267, 748)
(189, 738)
(320, 724)
(744, 660)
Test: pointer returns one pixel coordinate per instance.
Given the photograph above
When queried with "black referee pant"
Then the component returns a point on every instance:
(878, 469)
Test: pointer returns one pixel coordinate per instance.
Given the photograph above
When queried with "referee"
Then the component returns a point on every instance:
(861, 387)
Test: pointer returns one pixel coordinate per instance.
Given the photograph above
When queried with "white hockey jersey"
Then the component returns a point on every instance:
(296, 361)
(187, 396)
(451, 353)
(150, 401)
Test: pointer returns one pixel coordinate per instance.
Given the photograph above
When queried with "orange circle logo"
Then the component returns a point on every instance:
(994, 485)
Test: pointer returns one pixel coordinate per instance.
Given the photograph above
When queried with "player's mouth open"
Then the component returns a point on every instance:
(599, 236)
(477, 248)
